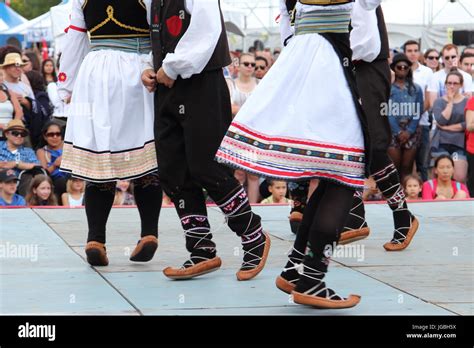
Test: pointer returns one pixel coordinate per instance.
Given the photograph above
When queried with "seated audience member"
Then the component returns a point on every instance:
(10, 108)
(412, 185)
(278, 190)
(14, 155)
(74, 195)
(50, 155)
(9, 182)
(443, 186)
(41, 192)
(124, 193)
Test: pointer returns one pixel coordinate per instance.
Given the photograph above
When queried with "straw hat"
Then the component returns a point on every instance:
(12, 59)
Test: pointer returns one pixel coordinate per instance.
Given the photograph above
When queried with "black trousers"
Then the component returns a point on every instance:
(191, 120)
(373, 84)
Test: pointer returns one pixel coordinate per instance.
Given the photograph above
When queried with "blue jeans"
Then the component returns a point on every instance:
(423, 153)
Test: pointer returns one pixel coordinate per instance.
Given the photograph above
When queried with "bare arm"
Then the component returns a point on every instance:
(470, 120)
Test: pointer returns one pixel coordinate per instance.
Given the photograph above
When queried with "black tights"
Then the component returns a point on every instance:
(99, 198)
(323, 221)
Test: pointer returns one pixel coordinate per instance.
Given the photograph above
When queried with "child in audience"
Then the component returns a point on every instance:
(41, 192)
(412, 186)
(8, 185)
(74, 195)
(124, 193)
(278, 190)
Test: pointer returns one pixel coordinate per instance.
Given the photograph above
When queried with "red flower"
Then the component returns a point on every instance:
(62, 77)
(174, 25)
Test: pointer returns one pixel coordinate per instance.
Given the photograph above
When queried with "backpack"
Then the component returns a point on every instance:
(38, 116)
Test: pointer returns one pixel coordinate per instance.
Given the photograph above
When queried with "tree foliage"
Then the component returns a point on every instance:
(32, 8)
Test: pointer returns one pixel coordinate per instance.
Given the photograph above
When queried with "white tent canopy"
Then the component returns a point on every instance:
(431, 21)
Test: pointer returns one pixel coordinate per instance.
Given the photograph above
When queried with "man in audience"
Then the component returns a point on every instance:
(8, 197)
(437, 84)
(261, 68)
(467, 63)
(14, 155)
(12, 66)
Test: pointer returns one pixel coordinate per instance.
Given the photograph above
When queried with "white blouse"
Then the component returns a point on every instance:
(76, 47)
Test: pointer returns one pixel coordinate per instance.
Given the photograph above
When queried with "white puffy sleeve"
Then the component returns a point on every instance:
(369, 4)
(198, 43)
(286, 29)
(76, 47)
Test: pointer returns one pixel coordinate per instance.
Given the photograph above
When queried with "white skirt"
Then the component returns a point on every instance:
(301, 121)
(109, 134)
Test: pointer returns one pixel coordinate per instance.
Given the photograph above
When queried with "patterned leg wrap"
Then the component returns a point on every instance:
(293, 267)
(388, 181)
(198, 239)
(246, 224)
(356, 219)
(311, 283)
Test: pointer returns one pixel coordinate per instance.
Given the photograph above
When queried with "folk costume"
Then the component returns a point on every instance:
(304, 121)
(190, 45)
(109, 136)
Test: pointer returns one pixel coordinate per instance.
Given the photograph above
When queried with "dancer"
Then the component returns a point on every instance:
(109, 136)
(190, 49)
(295, 126)
(369, 41)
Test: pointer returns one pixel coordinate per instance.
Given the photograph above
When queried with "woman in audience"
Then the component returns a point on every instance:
(443, 186)
(48, 71)
(432, 59)
(405, 109)
(470, 145)
(240, 89)
(10, 108)
(449, 138)
(74, 195)
(50, 155)
(41, 192)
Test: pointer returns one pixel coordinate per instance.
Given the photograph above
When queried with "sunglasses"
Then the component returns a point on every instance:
(53, 134)
(260, 67)
(402, 67)
(247, 64)
(452, 83)
(26, 60)
(432, 57)
(18, 134)
(450, 57)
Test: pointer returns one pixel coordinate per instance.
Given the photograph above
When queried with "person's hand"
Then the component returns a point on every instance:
(149, 80)
(67, 100)
(57, 163)
(440, 197)
(7, 165)
(403, 137)
(21, 99)
(164, 79)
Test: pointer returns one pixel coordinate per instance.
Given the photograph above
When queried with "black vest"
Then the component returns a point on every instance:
(169, 21)
(106, 19)
(384, 47)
